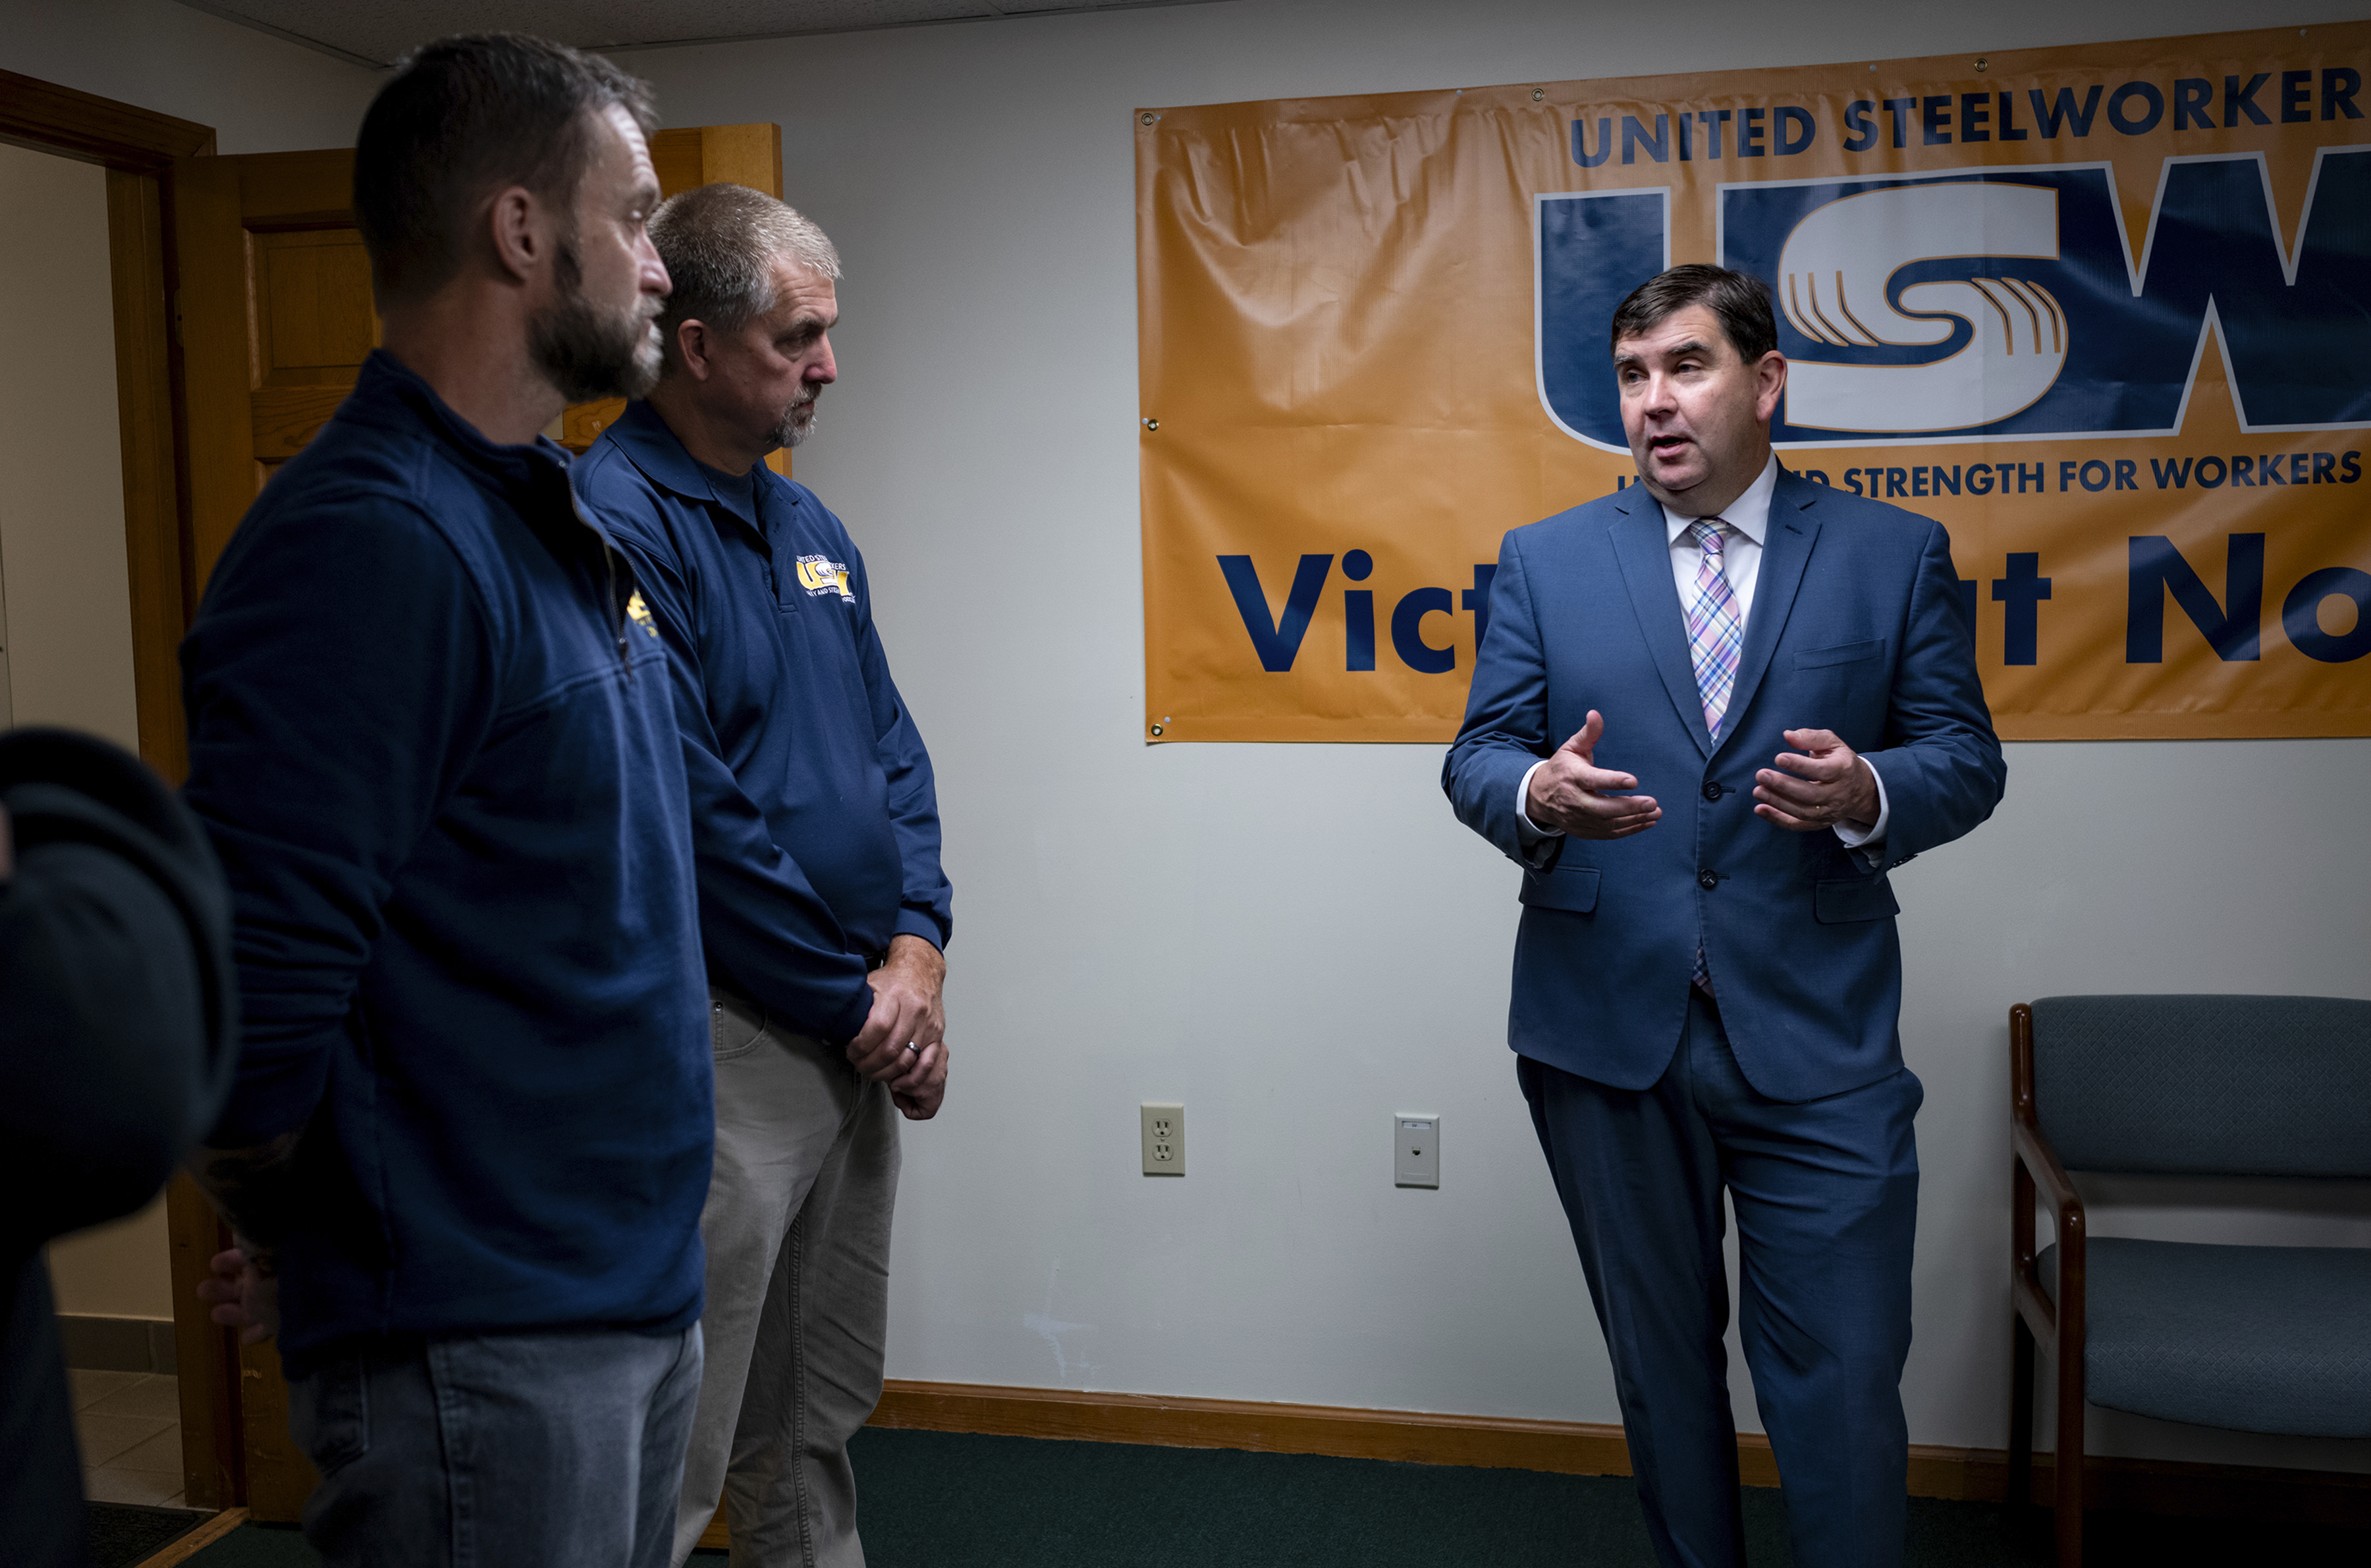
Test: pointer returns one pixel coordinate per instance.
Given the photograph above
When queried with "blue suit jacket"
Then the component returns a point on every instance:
(1857, 627)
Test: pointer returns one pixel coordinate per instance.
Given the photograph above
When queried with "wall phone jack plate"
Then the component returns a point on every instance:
(1415, 1152)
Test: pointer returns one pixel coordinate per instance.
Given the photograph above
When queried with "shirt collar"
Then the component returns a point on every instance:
(386, 384)
(738, 497)
(1748, 513)
(657, 453)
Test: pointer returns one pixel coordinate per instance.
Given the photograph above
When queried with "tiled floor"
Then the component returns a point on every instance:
(131, 1428)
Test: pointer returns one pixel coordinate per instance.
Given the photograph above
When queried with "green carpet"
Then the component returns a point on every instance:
(945, 1500)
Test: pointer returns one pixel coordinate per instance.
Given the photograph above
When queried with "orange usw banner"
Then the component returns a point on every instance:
(2104, 312)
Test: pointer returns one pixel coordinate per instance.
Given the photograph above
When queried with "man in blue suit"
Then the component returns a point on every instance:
(1769, 701)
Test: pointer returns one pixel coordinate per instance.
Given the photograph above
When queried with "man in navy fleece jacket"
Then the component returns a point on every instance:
(430, 735)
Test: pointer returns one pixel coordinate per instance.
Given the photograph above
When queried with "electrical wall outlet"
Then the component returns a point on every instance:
(1163, 1125)
(1415, 1152)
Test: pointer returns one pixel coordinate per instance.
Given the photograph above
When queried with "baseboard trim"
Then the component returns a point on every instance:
(94, 1343)
(1565, 1447)
(1572, 1448)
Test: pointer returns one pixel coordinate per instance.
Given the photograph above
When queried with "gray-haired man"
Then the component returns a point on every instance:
(822, 906)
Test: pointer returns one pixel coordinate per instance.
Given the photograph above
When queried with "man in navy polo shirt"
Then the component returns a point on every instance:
(821, 905)
(431, 738)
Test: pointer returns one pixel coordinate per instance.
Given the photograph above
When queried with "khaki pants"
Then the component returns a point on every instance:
(797, 1227)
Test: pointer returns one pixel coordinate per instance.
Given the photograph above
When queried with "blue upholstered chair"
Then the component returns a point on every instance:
(2263, 1339)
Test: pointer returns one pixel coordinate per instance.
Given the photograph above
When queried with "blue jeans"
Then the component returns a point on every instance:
(1826, 1198)
(500, 1450)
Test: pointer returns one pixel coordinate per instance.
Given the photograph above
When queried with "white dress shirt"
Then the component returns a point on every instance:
(1748, 520)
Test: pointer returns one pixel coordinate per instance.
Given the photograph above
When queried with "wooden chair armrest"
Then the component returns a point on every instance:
(2033, 1151)
(2056, 1318)
(2058, 1315)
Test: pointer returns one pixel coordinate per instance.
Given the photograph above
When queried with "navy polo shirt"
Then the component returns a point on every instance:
(813, 810)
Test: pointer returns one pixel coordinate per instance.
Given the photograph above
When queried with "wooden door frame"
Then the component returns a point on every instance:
(138, 147)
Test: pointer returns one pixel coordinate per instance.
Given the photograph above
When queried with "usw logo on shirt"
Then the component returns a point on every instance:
(820, 575)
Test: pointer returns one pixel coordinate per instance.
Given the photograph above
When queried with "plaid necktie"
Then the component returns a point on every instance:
(1715, 637)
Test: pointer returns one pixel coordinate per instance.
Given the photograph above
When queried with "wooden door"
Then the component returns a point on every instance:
(275, 316)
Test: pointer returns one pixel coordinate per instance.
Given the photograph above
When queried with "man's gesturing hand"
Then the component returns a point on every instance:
(907, 1009)
(1825, 784)
(1569, 792)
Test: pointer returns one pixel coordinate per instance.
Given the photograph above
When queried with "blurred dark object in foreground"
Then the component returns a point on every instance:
(118, 1035)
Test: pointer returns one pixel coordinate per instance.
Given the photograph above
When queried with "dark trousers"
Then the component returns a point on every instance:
(1826, 1197)
(41, 1469)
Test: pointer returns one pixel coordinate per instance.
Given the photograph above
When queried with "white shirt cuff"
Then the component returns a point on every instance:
(1854, 836)
(1527, 830)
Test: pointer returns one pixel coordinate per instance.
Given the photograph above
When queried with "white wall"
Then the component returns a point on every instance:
(62, 551)
(62, 566)
(260, 94)
(1299, 940)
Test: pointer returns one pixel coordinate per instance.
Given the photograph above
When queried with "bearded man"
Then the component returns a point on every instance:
(431, 736)
(822, 905)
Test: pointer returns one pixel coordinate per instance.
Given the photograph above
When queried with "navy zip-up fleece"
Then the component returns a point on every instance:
(430, 735)
(814, 813)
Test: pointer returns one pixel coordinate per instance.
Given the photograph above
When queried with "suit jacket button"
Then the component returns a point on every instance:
(1713, 789)
(1708, 879)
